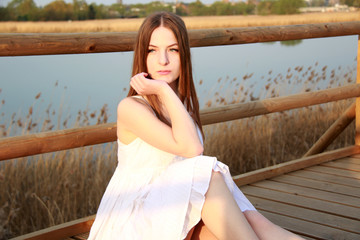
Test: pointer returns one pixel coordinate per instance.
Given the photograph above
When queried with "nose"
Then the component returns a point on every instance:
(163, 58)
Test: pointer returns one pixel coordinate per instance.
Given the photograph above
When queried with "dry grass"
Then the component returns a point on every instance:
(125, 25)
(44, 190)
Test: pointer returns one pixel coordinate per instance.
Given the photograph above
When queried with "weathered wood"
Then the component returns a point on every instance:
(70, 43)
(341, 223)
(351, 160)
(335, 171)
(13, 147)
(61, 231)
(22, 146)
(315, 230)
(329, 178)
(271, 105)
(342, 165)
(357, 120)
(293, 165)
(319, 185)
(302, 201)
(309, 192)
(333, 132)
(25, 44)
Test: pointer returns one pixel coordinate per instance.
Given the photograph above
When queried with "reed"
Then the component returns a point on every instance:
(126, 25)
(44, 190)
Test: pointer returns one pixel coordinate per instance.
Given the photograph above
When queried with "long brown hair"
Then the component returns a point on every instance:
(185, 84)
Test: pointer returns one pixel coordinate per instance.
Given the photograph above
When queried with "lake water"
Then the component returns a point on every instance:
(88, 81)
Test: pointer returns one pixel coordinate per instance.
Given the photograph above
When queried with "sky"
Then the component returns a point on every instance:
(41, 3)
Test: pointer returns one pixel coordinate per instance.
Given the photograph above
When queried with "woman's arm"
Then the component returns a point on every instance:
(138, 120)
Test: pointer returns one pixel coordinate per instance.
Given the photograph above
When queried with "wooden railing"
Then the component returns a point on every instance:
(21, 146)
(42, 44)
(18, 44)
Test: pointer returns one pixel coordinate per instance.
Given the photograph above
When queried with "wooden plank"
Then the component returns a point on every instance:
(342, 165)
(350, 160)
(352, 182)
(21, 146)
(355, 156)
(61, 231)
(311, 193)
(333, 132)
(326, 219)
(286, 167)
(315, 184)
(307, 228)
(19, 44)
(357, 110)
(82, 236)
(303, 201)
(334, 171)
(278, 104)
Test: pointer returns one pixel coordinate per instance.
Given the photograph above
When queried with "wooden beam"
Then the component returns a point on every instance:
(271, 105)
(61, 231)
(19, 44)
(294, 165)
(357, 118)
(333, 132)
(21, 146)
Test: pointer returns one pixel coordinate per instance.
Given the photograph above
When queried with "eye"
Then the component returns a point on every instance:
(150, 50)
(174, 50)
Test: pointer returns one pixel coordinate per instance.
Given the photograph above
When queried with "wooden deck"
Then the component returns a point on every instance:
(319, 202)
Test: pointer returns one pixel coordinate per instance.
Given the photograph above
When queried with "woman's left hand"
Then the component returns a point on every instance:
(146, 86)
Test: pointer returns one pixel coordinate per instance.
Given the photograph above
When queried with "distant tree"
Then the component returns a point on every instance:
(156, 7)
(92, 11)
(23, 10)
(317, 3)
(80, 10)
(220, 8)
(351, 3)
(4, 14)
(118, 9)
(198, 9)
(265, 7)
(182, 10)
(58, 10)
(241, 8)
(288, 6)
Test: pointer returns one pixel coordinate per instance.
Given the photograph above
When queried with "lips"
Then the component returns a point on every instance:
(164, 72)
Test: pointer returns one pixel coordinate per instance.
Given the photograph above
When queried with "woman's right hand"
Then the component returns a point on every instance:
(145, 86)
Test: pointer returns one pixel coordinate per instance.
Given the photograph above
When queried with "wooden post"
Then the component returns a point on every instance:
(357, 113)
(333, 132)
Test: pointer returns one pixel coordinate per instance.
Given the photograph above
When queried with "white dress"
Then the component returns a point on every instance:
(157, 195)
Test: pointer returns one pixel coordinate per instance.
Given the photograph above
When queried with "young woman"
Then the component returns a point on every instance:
(163, 187)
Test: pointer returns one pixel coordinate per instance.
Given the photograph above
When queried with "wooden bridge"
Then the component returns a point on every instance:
(317, 196)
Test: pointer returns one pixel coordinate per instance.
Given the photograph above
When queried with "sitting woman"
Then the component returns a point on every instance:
(163, 187)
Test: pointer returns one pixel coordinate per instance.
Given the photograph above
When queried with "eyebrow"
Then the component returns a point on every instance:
(171, 45)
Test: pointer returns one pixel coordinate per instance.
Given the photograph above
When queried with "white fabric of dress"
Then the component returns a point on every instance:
(156, 195)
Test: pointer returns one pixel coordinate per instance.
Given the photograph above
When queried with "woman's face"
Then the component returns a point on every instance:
(163, 60)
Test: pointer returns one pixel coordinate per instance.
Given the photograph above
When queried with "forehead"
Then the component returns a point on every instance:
(162, 36)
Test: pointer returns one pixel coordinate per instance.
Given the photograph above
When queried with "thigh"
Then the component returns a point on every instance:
(201, 232)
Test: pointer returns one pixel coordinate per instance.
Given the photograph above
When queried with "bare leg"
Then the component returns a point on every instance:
(221, 214)
(202, 232)
(267, 230)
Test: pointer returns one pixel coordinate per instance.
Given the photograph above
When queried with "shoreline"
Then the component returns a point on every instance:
(195, 22)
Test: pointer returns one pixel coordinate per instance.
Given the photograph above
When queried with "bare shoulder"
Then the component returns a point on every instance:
(129, 113)
(131, 105)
